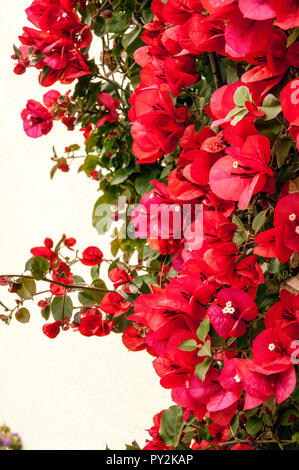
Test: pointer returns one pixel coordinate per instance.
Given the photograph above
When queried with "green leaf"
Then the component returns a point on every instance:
(23, 315)
(99, 26)
(188, 345)
(240, 235)
(56, 307)
(44, 74)
(295, 437)
(98, 295)
(121, 175)
(117, 23)
(28, 289)
(282, 149)
(295, 394)
(171, 426)
(38, 266)
(90, 163)
(286, 416)
(203, 329)
(293, 37)
(204, 434)
(242, 95)
(46, 313)
(259, 221)
(132, 41)
(202, 368)
(133, 446)
(234, 426)
(253, 425)
(142, 182)
(267, 420)
(204, 89)
(101, 217)
(86, 299)
(239, 117)
(205, 350)
(231, 74)
(271, 107)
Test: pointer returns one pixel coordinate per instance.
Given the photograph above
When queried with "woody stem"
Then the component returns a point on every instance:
(216, 69)
(67, 286)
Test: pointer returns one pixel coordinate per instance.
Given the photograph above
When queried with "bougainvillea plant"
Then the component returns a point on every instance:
(183, 105)
(9, 440)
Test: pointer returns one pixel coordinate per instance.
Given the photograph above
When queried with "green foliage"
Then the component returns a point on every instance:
(171, 425)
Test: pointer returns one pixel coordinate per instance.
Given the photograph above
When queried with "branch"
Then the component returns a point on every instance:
(67, 286)
(216, 69)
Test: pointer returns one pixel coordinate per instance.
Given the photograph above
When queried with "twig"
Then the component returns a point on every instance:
(216, 69)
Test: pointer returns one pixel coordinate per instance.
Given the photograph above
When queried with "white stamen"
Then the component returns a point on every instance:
(237, 378)
(292, 217)
(235, 165)
(271, 347)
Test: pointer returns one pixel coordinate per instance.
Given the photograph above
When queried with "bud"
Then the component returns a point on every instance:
(106, 14)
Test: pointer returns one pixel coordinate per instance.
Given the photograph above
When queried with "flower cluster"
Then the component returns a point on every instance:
(214, 125)
(57, 47)
(213, 297)
(9, 440)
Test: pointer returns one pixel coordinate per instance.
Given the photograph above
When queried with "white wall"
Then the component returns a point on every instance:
(72, 392)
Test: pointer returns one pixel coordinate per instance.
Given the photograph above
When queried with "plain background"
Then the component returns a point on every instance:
(72, 392)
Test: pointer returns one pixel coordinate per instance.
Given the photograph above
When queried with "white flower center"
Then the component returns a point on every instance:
(237, 378)
(235, 165)
(292, 217)
(271, 347)
(228, 308)
(297, 229)
(177, 208)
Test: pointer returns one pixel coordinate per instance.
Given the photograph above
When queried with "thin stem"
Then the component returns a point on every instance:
(67, 286)
(216, 69)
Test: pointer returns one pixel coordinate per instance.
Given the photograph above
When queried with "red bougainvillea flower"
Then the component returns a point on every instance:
(286, 12)
(92, 324)
(258, 387)
(202, 33)
(133, 339)
(70, 242)
(157, 124)
(113, 303)
(283, 239)
(45, 251)
(231, 388)
(229, 313)
(119, 277)
(52, 329)
(284, 315)
(243, 172)
(219, 434)
(210, 394)
(37, 120)
(272, 350)
(290, 102)
(257, 9)
(63, 275)
(241, 447)
(92, 256)
(108, 106)
(241, 33)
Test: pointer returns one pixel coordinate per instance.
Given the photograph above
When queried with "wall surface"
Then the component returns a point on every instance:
(72, 392)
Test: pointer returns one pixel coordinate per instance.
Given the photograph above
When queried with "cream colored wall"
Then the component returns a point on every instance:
(72, 392)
